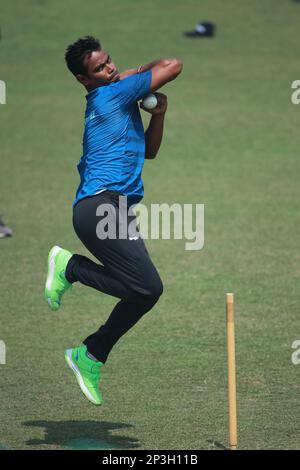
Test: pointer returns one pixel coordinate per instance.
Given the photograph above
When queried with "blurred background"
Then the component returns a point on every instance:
(232, 143)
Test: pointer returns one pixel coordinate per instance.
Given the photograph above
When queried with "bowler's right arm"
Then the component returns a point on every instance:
(163, 71)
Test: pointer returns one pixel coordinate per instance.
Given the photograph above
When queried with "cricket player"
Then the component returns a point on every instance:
(114, 148)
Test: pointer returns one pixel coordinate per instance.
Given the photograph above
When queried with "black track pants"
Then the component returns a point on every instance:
(127, 271)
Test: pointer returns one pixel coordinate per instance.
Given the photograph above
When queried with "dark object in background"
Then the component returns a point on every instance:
(4, 231)
(205, 29)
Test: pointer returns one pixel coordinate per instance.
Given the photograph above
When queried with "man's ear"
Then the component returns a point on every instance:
(83, 79)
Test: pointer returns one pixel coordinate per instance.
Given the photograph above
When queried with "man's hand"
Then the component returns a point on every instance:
(161, 107)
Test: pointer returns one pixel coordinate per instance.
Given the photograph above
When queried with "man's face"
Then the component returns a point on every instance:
(100, 70)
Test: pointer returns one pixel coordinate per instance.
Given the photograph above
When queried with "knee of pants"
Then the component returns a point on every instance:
(154, 289)
(148, 291)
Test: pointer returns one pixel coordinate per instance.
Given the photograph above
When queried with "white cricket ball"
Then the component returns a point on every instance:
(150, 101)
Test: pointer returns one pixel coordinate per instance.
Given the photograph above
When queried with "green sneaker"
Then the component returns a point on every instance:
(56, 283)
(87, 373)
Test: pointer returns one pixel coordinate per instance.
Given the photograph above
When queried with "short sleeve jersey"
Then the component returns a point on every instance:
(114, 139)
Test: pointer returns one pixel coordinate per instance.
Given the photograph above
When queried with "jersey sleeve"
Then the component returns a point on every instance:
(133, 88)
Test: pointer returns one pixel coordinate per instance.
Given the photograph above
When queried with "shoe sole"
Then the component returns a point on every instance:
(51, 270)
(84, 389)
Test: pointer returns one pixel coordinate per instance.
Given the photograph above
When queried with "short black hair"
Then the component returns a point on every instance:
(78, 51)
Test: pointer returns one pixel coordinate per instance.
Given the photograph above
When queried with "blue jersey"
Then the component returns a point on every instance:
(114, 139)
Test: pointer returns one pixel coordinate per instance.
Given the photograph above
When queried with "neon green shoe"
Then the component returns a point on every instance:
(87, 373)
(56, 283)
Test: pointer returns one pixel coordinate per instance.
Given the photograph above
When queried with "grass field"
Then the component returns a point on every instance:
(231, 142)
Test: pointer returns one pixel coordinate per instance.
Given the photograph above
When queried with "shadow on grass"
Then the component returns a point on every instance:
(82, 435)
(3, 446)
(217, 444)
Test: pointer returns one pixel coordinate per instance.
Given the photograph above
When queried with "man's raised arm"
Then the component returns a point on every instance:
(163, 71)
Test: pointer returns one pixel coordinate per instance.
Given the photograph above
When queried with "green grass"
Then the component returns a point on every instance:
(232, 143)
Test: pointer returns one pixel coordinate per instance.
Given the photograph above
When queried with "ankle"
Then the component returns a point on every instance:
(90, 356)
(68, 274)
